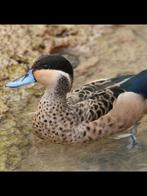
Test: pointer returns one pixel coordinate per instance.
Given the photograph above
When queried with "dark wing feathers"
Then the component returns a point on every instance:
(99, 104)
(96, 99)
(89, 90)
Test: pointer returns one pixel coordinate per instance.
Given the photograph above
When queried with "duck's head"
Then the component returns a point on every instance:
(49, 70)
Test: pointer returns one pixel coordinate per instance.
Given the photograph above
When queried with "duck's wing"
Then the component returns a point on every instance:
(94, 88)
(98, 104)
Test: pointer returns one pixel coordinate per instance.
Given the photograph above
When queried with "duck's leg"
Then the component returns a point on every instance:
(133, 137)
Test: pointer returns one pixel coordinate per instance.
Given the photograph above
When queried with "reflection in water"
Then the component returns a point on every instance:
(104, 155)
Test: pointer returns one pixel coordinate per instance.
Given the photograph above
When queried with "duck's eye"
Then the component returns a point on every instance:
(45, 66)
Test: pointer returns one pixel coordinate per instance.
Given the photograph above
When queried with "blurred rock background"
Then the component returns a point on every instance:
(96, 51)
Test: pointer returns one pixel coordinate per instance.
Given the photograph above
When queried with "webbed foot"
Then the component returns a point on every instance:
(133, 137)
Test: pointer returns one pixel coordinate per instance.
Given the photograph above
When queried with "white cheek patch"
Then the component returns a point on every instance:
(55, 76)
(51, 77)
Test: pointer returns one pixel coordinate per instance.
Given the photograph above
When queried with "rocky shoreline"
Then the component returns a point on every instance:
(96, 51)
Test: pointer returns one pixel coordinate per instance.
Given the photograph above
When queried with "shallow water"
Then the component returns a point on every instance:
(104, 155)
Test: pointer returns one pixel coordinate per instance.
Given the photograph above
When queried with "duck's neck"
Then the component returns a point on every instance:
(54, 97)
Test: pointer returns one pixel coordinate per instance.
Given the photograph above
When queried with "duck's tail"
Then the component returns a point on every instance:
(137, 84)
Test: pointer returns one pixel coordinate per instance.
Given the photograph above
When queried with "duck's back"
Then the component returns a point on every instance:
(96, 99)
(91, 89)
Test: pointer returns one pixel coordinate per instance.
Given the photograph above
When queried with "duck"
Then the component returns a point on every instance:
(92, 111)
